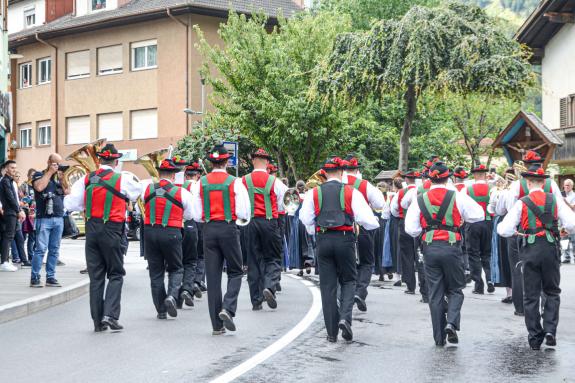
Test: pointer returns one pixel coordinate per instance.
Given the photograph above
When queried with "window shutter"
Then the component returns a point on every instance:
(110, 126)
(78, 130)
(144, 124)
(110, 59)
(78, 64)
(563, 107)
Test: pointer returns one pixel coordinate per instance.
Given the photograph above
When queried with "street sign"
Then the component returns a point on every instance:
(128, 155)
(232, 148)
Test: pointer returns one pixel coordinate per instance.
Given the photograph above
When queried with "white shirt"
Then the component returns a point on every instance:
(512, 195)
(279, 189)
(394, 201)
(16, 191)
(570, 198)
(469, 210)
(186, 199)
(508, 227)
(242, 199)
(75, 200)
(374, 196)
(362, 213)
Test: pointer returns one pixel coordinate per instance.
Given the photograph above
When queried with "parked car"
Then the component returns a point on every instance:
(133, 223)
(80, 223)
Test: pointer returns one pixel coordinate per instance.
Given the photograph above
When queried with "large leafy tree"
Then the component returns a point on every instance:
(261, 80)
(454, 47)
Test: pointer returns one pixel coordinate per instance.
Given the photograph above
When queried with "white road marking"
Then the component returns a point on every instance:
(281, 343)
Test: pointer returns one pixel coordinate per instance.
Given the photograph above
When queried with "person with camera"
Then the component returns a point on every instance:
(12, 213)
(49, 195)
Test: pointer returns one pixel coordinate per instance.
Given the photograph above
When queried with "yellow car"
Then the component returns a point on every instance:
(80, 222)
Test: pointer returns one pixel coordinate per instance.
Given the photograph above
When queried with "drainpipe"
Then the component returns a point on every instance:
(55, 87)
(187, 26)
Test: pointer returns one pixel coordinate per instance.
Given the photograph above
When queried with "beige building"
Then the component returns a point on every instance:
(125, 74)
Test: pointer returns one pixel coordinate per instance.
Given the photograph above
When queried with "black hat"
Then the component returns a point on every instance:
(479, 169)
(193, 168)
(333, 163)
(218, 154)
(179, 161)
(351, 162)
(535, 171)
(168, 165)
(109, 152)
(460, 172)
(431, 160)
(439, 171)
(261, 153)
(532, 157)
(411, 173)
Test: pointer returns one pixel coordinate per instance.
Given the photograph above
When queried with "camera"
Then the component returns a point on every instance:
(49, 198)
(63, 168)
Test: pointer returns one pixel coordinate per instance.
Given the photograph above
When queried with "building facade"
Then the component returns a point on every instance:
(124, 71)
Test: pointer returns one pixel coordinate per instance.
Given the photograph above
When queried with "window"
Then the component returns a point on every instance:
(78, 130)
(25, 75)
(44, 133)
(98, 4)
(29, 17)
(144, 124)
(25, 135)
(78, 64)
(144, 55)
(567, 111)
(111, 126)
(110, 60)
(44, 70)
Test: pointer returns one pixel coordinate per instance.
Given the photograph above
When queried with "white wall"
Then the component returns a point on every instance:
(558, 76)
(16, 14)
(84, 7)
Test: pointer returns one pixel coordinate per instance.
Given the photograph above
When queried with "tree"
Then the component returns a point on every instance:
(453, 47)
(261, 81)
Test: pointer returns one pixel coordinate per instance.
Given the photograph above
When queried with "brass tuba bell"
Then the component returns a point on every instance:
(152, 160)
(86, 160)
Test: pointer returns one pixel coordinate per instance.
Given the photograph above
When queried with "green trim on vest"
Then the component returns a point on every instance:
(484, 199)
(152, 206)
(532, 222)
(169, 205)
(525, 189)
(186, 184)
(109, 197)
(265, 191)
(223, 187)
(357, 183)
(448, 218)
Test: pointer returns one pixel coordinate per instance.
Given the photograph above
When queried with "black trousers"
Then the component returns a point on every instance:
(337, 267)
(409, 258)
(105, 260)
(541, 262)
(462, 231)
(164, 253)
(201, 264)
(504, 270)
(378, 245)
(420, 268)
(478, 244)
(394, 244)
(366, 252)
(9, 224)
(445, 280)
(264, 257)
(222, 243)
(189, 255)
(516, 273)
(282, 228)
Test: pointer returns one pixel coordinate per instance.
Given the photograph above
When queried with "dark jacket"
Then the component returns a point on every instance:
(8, 196)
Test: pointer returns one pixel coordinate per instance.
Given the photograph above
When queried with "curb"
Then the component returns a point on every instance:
(28, 306)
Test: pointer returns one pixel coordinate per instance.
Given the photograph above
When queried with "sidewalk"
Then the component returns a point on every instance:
(17, 299)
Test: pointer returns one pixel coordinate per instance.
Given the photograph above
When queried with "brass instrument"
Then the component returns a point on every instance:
(150, 161)
(291, 201)
(315, 180)
(87, 162)
(519, 168)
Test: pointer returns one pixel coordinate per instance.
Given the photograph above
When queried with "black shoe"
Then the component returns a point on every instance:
(170, 304)
(361, 306)
(16, 261)
(490, 287)
(507, 300)
(424, 300)
(278, 287)
(397, 284)
(300, 274)
(519, 314)
(478, 292)
(221, 331)
(566, 260)
(550, 340)
(257, 307)
(226, 317)
(197, 291)
(162, 316)
(451, 334)
(202, 287)
(84, 271)
(112, 323)
(100, 327)
(535, 346)
(270, 299)
(410, 292)
(440, 344)
(35, 283)
(26, 264)
(381, 279)
(52, 282)
(389, 276)
(331, 339)
(60, 263)
(345, 328)
(187, 298)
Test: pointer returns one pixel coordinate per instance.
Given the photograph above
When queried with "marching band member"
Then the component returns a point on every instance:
(366, 238)
(460, 175)
(103, 195)
(537, 215)
(221, 199)
(265, 247)
(332, 208)
(438, 213)
(167, 206)
(282, 223)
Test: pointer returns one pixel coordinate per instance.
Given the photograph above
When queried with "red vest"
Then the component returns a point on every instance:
(427, 184)
(436, 198)
(351, 180)
(459, 186)
(347, 196)
(117, 210)
(538, 197)
(481, 190)
(216, 200)
(176, 217)
(260, 179)
(400, 195)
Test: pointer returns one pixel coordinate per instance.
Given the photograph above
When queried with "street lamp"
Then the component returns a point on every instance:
(192, 112)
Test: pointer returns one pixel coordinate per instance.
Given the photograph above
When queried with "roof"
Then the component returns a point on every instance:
(387, 175)
(141, 10)
(538, 29)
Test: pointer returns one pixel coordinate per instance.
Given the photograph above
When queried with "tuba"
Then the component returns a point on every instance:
(314, 180)
(86, 160)
(150, 161)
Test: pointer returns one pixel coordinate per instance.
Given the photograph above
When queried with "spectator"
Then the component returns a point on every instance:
(49, 196)
(18, 252)
(28, 231)
(12, 213)
(569, 196)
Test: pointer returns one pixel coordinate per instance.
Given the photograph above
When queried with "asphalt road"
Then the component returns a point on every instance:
(393, 342)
